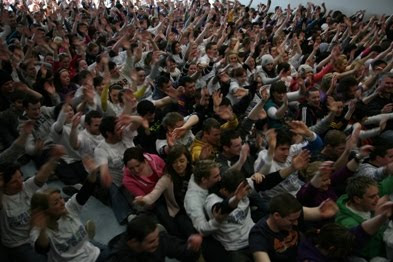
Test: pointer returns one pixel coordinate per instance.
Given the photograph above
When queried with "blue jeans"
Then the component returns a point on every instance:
(120, 205)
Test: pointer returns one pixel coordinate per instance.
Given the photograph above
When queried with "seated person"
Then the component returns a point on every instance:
(173, 185)
(144, 242)
(325, 180)
(70, 169)
(206, 140)
(359, 204)
(56, 226)
(141, 171)
(233, 230)
(232, 199)
(277, 237)
(280, 153)
(15, 196)
(379, 164)
(177, 131)
(337, 243)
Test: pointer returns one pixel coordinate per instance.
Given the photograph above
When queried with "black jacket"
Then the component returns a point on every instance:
(169, 246)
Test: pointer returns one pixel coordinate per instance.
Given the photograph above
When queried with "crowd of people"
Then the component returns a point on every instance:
(214, 131)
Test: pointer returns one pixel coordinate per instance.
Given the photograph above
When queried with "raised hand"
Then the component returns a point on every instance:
(301, 160)
(194, 242)
(332, 105)
(39, 219)
(242, 190)
(271, 136)
(244, 151)
(57, 151)
(218, 216)
(354, 137)
(384, 207)
(217, 98)
(300, 128)
(123, 121)
(50, 88)
(170, 138)
(89, 164)
(387, 108)
(325, 170)
(328, 209)
(179, 132)
(257, 178)
(76, 119)
(264, 92)
(27, 127)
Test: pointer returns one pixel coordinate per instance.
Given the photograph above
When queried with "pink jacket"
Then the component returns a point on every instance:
(140, 186)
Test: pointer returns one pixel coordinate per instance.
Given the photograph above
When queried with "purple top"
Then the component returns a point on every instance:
(310, 196)
(308, 252)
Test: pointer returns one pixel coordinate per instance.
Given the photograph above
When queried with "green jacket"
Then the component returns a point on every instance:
(375, 246)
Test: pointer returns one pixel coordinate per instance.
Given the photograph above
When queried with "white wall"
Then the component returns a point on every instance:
(372, 7)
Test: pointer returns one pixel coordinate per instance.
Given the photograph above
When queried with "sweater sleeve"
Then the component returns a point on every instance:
(194, 206)
(306, 193)
(315, 144)
(267, 80)
(268, 182)
(318, 76)
(322, 126)
(341, 175)
(58, 125)
(292, 96)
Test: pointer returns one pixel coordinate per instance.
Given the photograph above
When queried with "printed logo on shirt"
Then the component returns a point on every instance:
(73, 241)
(19, 220)
(237, 216)
(288, 242)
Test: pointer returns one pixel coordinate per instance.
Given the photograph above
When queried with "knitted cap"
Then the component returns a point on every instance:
(304, 69)
(266, 59)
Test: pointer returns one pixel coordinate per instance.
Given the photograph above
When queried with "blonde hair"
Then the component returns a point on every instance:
(40, 203)
(340, 61)
(310, 170)
(40, 200)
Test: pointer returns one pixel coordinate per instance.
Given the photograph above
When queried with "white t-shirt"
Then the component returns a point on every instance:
(15, 215)
(88, 142)
(70, 242)
(194, 201)
(234, 230)
(63, 138)
(292, 183)
(112, 155)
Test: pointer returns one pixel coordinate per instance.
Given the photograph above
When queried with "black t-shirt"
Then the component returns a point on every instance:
(280, 246)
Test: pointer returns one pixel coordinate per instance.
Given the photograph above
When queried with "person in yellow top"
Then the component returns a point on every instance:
(206, 142)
